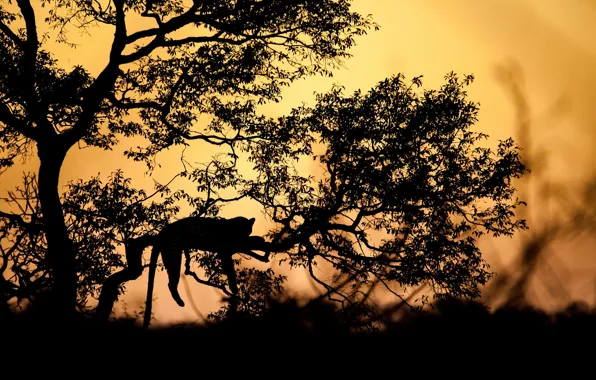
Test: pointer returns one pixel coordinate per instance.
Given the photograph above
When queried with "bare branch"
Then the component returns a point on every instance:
(14, 218)
(188, 271)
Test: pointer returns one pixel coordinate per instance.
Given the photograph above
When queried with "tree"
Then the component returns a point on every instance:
(406, 192)
(99, 216)
(238, 48)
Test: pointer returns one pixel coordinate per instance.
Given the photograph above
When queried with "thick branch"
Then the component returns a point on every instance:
(103, 85)
(28, 78)
(134, 268)
(32, 43)
(8, 118)
(11, 35)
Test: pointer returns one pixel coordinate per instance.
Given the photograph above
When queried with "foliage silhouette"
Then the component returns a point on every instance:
(404, 165)
(99, 216)
(243, 49)
(405, 192)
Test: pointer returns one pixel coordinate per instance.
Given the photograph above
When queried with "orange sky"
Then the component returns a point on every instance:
(552, 42)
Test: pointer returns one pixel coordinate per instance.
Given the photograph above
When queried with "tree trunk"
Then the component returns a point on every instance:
(134, 268)
(227, 263)
(61, 254)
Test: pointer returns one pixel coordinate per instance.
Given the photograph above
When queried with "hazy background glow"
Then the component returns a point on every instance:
(548, 43)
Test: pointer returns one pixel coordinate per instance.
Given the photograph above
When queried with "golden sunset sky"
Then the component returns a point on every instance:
(549, 45)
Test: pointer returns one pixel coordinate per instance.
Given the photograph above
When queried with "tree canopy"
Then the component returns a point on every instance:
(405, 191)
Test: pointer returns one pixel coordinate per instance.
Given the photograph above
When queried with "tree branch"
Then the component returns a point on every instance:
(7, 117)
(187, 18)
(167, 27)
(134, 268)
(134, 105)
(15, 219)
(30, 49)
(104, 83)
(11, 35)
(188, 272)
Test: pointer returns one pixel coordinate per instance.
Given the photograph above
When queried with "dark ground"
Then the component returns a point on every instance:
(461, 333)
